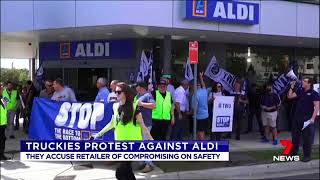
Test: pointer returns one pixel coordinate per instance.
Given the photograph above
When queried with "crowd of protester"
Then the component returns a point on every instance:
(167, 111)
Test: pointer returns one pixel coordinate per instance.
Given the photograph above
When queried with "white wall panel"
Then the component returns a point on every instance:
(148, 13)
(308, 20)
(278, 18)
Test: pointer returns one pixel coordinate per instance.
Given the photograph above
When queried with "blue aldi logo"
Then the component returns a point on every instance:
(199, 8)
(223, 121)
(65, 50)
(223, 11)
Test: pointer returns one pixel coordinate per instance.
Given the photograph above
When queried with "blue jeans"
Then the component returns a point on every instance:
(145, 138)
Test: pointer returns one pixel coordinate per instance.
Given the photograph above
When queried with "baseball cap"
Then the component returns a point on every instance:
(163, 81)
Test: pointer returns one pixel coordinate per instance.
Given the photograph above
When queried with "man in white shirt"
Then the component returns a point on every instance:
(112, 97)
(181, 112)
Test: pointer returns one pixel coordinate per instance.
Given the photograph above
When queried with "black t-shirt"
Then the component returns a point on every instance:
(304, 105)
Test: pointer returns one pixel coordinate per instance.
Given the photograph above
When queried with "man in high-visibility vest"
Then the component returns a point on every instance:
(163, 114)
(3, 123)
(11, 97)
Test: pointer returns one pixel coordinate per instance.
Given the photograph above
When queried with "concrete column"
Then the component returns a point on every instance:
(167, 54)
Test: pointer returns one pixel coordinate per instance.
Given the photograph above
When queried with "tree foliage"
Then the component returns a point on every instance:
(18, 76)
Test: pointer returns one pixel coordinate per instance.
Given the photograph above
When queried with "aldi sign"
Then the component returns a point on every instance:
(223, 11)
(86, 50)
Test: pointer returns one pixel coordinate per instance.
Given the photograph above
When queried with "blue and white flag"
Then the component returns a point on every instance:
(216, 73)
(283, 81)
(151, 80)
(188, 74)
(144, 67)
(40, 75)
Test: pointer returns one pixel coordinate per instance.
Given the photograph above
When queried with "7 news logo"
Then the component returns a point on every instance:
(286, 153)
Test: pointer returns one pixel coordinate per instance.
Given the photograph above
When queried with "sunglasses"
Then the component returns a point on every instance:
(118, 92)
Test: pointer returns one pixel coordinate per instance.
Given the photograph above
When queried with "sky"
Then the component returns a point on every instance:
(17, 63)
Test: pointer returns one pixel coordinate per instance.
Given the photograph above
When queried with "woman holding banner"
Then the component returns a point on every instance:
(217, 90)
(127, 123)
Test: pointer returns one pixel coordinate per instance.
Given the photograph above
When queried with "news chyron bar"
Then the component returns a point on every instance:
(124, 150)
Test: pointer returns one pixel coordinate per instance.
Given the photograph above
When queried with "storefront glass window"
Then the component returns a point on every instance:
(307, 63)
(266, 62)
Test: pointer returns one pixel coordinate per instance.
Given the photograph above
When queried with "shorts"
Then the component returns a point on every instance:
(202, 124)
(269, 118)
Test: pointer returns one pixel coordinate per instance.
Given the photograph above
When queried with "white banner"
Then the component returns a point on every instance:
(222, 114)
(218, 74)
(124, 156)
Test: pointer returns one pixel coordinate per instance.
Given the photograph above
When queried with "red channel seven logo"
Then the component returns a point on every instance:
(286, 152)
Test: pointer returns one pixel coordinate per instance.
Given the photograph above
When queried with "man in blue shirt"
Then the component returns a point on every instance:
(307, 107)
(103, 93)
(202, 108)
(145, 103)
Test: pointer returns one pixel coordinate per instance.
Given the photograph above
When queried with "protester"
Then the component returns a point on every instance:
(270, 103)
(62, 92)
(240, 101)
(23, 100)
(170, 88)
(48, 91)
(201, 108)
(19, 109)
(128, 124)
(103, 93)
(217, 90)
(31, 94)
(146, 104)
(112, 97)
(163, 114)
(254, 109)
(3, 123)
(181, 111)
(307, 107)
(12, 97)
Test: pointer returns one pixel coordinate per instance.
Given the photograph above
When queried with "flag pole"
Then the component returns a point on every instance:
(195, 101)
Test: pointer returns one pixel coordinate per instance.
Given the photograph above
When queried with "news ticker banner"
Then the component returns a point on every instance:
(52, 120)
(124, 150)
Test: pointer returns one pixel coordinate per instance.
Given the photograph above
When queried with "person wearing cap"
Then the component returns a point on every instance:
(181, 111)
(103, 93)
(3, 124)
(163, 114)
(145, 103)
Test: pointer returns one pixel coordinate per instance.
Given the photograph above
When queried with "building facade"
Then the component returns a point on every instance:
(82, 40)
